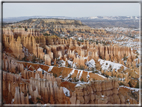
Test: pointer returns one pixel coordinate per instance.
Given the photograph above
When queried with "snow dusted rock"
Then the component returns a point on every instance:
(66, 91)
(50, 68)
(91, 63)
(106, 64)
(98, 92)
(39, 69)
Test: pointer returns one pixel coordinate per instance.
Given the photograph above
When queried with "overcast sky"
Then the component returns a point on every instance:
(70, 9)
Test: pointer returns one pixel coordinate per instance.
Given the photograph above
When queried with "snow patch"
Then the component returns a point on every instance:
(12, 101)
(136, 89)
(81, 83)
(85, 57)
(136, 72)
(39, 69)
(66, 91)
(91, 63)
(102, 95)
(63, 63)
(78, 85)
(77, 74)
(70, 62)
(101, 75)
(50, 68)
(81, 71)
(106, 64)
(88, 75)
(74, 65)
(72, 72)
(69, 75)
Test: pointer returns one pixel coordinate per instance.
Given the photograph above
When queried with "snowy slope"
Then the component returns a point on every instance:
(105, 65)
(91, 63)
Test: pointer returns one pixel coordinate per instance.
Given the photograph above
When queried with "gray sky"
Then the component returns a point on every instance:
(70, 9)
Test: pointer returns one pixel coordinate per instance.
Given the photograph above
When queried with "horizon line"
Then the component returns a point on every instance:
(74, 16)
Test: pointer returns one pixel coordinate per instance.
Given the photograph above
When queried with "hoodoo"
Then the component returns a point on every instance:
(59, 61)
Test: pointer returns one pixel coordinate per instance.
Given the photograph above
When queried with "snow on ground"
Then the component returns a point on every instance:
(69, 75)
(136, 89)
(74, 65)
(78, 85)
(101, 75)
(91, 63)
(85, 57)
(60, 76)
(139, 52)
(81, 71)
(62, 62)
(30, 97)
(12, 101)
(72, 71)
(77, 74)
(136, 59)
(25, 50)
(121, 79)
(105, 65)
(70, 62)
(66, 91)
(72, 37)
(88, 75)
(81, 83)
(50, 68)
(39, 69)
(129, 43)
(29, 66)
(102, 95)
(80, 38)
(136, 72)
